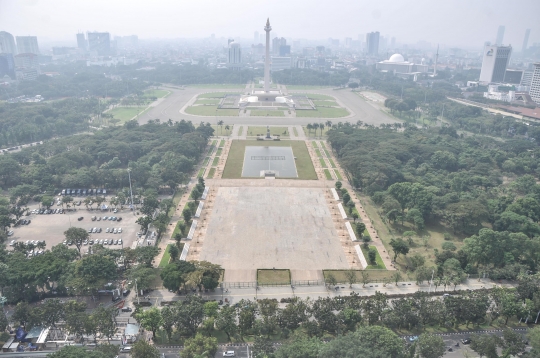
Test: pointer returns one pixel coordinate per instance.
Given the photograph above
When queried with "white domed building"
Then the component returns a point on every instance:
(397, 65)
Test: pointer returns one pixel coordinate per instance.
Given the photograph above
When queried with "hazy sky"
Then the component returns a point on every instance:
(450, 22)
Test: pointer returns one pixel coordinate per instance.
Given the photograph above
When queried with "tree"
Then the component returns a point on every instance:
(338, 185)
(173, 275)
(104, 319)
(220, 124)
(146, 254)
(372, 256)
(355, 216)
(144, 222)
(262, 347)
(143, 275)
(365, 278)
(300, 346)
(430, 346)
(77, 236)
(199, 346)
(360, 228)
(512, 344)
(186, 213)
(351, 277)
(226, 321)
(190, 313)
(371, 341)
(399, 247)
(108, 350)
(3, 321)
(174, 252)
(150, 320)
(142, 349)
(79, 352)
(331, 279)
(47, 201)
(485, 345)
(534, 339)
(92, 272)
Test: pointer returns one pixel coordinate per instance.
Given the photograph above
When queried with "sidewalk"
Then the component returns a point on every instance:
(234, 295)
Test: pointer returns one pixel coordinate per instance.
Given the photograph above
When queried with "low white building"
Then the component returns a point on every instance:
(397, 64)
(493, 93)
(280, 63)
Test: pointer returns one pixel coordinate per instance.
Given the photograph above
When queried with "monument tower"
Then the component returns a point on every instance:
(267, 28)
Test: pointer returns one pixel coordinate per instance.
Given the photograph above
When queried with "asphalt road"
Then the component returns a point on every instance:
(169, 108)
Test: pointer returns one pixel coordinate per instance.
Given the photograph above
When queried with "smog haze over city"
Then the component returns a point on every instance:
(269, 179)
(455, 22)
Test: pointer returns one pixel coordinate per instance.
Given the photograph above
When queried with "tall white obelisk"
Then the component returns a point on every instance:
(267, 28)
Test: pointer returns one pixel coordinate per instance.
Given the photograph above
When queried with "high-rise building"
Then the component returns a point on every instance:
(393, 43)
(281, 63)
(7, 43)
(500, 35)
(494, 63)
(81, 42)
(372, 43)
(256, 37)
(284, 50)
(7, 65)
(99, 42)
(525, 40)
(277, 42)
(27, 66)
(534, 92)
(234, 60)
(27, 44)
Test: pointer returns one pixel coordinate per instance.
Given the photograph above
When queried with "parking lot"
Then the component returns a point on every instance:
(50, 227)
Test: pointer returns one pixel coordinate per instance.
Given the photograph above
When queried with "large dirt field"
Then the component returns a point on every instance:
(264, 227)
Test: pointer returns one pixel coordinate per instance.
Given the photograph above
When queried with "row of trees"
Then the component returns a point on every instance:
(354, 315)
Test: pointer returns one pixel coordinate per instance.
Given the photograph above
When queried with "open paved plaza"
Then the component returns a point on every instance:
(251, 228)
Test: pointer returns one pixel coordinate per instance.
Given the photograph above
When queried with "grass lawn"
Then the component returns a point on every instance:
(235, 159)
(316, 96)
(331, 161)
(211, 111)
(219, 151)
(221, 130)
(219, 85)
(215, 161)
(295, 131)
(323, 113)
(326, 152)
(201, 173)
(283, 132)
(323, 163)
(328, 175)
(207, 101)
(301, 87)
(211, 173)
(124, 114)
(318, 152)
(156, 93)
(321, 102)
(263, 113)
(240, 131)
(374, 276)
(211, 95)
(166, 257)
(176, 199)
(205, 161)
(380, 264)
(222, 143)
(265, 277)
(338, 175)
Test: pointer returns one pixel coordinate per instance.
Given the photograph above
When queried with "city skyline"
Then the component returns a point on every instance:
(469, 25)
